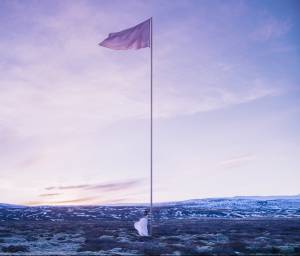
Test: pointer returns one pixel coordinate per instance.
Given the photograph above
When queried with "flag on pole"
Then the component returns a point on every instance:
(135, 38)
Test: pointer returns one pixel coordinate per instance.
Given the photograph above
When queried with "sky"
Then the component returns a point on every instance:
(74, 117)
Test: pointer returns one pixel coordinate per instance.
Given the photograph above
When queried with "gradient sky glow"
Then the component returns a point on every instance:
(74, 117)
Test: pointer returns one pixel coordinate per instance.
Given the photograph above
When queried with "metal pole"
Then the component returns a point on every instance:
(151, 124)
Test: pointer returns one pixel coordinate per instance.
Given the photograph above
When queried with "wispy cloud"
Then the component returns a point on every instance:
(237, 161)
(271, 29)
(112, 186)
(50, 194)
(116, 186)
(114, 201)
(101, 193)
(68, 187)
(72, 201)
(63, 202)
(78, 201)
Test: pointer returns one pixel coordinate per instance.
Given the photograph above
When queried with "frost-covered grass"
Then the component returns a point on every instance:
(214, 208)
(201, 236)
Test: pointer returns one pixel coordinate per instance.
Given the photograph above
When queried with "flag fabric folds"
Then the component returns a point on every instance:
(135, 38)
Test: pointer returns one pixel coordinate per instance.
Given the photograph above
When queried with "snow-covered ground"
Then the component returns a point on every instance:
(227, 226)
(201, 236)
(216, 208)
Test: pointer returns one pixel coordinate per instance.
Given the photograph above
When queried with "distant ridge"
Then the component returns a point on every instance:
(194, 201)
(268, 197)
(259, 198)
(188, 201)
(279, 197)
(10, 206)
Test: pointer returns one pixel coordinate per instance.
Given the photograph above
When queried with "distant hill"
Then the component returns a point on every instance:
(10, 206)
(191, 201)
(269, 197)
(233, 207)
(231, 199)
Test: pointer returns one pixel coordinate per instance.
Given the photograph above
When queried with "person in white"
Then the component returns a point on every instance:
(142, 225)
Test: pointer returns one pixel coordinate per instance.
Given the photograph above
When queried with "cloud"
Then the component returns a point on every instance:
(90, 193)
(63, 202)
(112, 186)
(116, 186)
(50, 188)
(114, 201)
(214, 98)
(78, 201)
(50, 194)
(68, 187)
(237, 161)
(271, 29)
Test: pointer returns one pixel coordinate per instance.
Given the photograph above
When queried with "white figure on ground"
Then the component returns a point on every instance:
(142, 225)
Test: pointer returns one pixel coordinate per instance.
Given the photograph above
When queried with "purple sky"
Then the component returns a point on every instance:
(74, 117)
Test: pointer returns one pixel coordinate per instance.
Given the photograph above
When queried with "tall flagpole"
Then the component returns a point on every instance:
(151, 124)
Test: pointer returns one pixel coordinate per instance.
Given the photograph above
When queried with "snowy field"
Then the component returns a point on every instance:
(196, 227)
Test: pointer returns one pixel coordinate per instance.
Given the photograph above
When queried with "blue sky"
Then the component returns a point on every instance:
(74, 117)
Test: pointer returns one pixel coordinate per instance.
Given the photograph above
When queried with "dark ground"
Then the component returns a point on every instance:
(201, 236)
